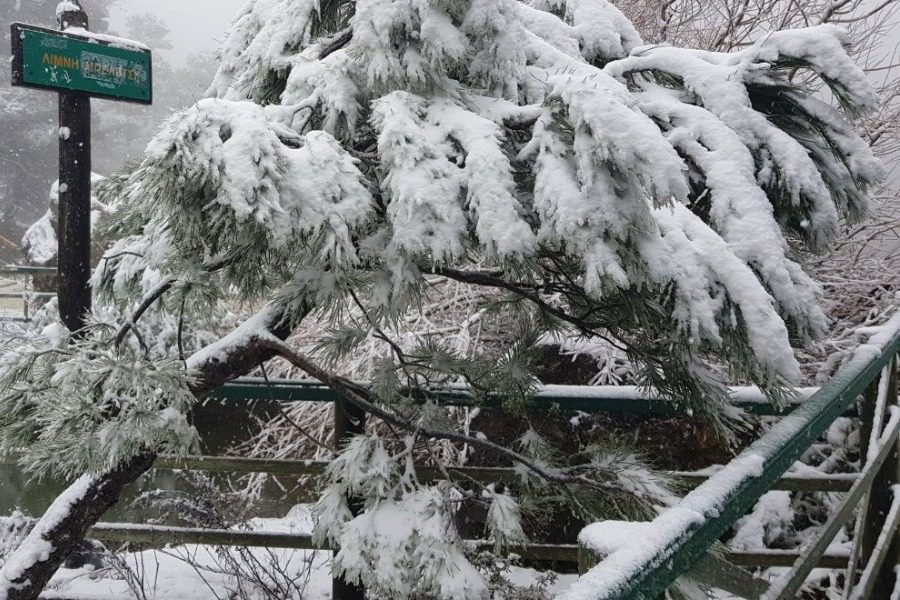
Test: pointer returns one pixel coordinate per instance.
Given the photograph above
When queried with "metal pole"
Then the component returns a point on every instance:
(74, 229)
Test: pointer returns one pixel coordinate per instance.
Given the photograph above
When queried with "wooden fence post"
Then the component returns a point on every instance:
(348, 421)
(587, 559)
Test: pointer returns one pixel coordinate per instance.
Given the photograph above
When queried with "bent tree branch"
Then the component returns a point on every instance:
(66, 523)
(360, 397)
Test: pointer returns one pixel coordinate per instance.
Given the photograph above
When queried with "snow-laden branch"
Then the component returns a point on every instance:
(362, 399)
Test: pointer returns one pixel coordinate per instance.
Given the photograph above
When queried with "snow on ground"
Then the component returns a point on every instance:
(193, 572)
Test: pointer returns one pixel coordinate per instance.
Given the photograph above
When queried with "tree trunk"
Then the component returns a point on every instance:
(64, 526)
(66, 522)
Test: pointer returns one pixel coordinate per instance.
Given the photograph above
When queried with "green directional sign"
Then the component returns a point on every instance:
(87, 63)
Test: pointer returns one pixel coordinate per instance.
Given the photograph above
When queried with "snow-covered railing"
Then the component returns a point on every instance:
(641, 560)
(164, 535)
(602, 398)
(26, 270)
(24, 293)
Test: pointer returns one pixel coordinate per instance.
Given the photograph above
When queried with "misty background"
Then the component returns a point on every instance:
(183, 35)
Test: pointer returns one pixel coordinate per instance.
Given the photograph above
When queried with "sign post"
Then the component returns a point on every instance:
(78, 65)
(74, 236)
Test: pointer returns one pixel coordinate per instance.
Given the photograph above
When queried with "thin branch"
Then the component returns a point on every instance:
(361, 398)
(181, 329)
(290, 421)
(337, 42)
(148, 301)
(490, 279)
(155, 294)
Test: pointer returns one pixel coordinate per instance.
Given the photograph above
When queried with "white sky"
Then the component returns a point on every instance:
(196, 25)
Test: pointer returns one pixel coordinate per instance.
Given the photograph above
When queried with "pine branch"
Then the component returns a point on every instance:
(148, 301)
(86, 506)
(362, 399)
(337, 42)
(153, 296)
(528, 292)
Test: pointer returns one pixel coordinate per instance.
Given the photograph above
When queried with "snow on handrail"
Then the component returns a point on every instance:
(642, 564)
(601, 398)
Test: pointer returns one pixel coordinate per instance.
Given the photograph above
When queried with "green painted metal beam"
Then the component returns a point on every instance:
(788, 585)
(302, 468)
(619, 399)
(26, 270)
(685, 532)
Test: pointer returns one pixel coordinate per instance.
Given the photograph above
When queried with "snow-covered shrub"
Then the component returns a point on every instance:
(40, 245)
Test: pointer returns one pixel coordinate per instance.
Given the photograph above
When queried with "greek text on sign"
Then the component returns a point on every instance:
(92, 64)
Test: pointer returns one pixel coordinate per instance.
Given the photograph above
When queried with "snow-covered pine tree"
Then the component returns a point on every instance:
(350, 153)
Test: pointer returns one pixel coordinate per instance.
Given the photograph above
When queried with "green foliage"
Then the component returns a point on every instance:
(76, 405)
(611, 480)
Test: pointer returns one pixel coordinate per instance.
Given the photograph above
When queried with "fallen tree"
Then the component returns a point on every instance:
(351, 151)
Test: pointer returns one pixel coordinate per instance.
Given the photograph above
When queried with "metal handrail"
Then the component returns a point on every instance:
(26, 270)
(161, 535)
(686, 531)
(615, 399)
(25, 295)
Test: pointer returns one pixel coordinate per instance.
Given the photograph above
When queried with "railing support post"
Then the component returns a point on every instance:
(880, 496)
(348, 421)
(586, 559)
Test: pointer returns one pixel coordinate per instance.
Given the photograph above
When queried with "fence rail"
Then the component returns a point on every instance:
(624, 399)
(26, 295)
(683, 534)
(159, 535)
(678, 540)
(26, 270)
(720, 497)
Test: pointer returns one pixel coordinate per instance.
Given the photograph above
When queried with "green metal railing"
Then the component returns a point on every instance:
(679, 538)
(716, 503)
(613, 399)
(27, 295)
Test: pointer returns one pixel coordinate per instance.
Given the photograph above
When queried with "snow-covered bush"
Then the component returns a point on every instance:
(39, 244)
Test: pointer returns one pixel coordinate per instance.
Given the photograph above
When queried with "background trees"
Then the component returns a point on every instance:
(28, 121)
